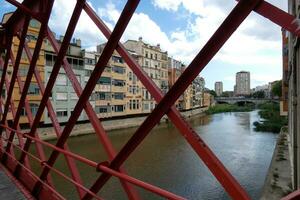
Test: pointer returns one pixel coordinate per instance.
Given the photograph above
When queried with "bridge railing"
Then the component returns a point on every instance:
(41, 185)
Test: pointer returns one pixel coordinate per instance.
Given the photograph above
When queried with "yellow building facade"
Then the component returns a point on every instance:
(34, 94)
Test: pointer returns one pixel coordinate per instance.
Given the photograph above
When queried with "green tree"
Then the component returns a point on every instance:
(276, 88)
(225, 94)
(259, 94)
(212, 92)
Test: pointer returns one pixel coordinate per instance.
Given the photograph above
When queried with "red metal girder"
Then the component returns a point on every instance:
(99, 130)
(227, 28)
(293, 196)
(44, 25)
(100, 167)
(279, 17)
(97, 166)
(13, 80)
(7, 83)
(142, 184)
(70, 162)
(25, 9)
(51, 193)
(52, 78)
(7, 57)
(99, 68)
(1, 111)
(6, 131)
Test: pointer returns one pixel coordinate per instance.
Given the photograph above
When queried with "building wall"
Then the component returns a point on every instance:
(284, 97)
(207, 99)
(34, 94)
(219, 88)
(63, 97)
(243, 83)
(155, 63)
(294, 97)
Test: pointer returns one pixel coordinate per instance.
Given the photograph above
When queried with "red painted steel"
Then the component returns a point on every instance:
(99, 130)
(71, 164)
(293, 196)
(40, 187)
(231, 23)
(14, 77)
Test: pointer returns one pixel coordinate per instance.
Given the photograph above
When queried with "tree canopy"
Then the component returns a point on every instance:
(276, 88)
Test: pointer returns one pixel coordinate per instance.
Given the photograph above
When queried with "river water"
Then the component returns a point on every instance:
(166, 159)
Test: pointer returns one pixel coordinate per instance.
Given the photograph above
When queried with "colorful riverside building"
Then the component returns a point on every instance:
(34, 94)
(154, 62)
(111, 89)
(193, 95)
(63, 96)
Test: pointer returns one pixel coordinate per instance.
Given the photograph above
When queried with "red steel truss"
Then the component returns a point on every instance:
(41, 186)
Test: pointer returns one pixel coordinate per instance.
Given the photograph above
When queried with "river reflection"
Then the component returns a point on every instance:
(166, 160)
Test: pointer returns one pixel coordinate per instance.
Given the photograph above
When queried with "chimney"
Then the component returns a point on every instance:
(140, 39)
(78, 42)
(158, 45)
(61, 38)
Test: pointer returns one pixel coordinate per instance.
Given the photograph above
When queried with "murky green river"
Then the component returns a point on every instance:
(166, 160)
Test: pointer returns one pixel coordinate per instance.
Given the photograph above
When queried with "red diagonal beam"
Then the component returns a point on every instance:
(43, 28)
(7, 57)
(279, 17)
(7, 83)
(7, 132)
(25, 10)
(13, 80)
(50, 84)
(227, 28)
(293, 196)
(99, 68)
(99, 130)
(70, 162)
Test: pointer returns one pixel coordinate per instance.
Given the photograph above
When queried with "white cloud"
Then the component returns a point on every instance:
(86, 30)
(255, 43)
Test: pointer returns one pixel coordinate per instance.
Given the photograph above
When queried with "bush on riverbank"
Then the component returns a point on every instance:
(220, 108)
(272, 121)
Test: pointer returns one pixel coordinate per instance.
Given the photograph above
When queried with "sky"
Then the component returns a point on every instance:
(182, 27)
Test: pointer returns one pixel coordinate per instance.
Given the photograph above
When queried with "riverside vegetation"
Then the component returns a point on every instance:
(269, 112)
(221, 108)
(271, 119)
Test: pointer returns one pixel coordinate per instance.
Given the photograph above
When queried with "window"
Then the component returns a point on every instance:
(119, 83)
(23, 70)
(61, 112)
(103, 109)
(134, 79)
(104, 95)
(104, 80)
(61, 79)
(119, 70)
(117, 59)
(118, 95)
(33, 89)
(34, 108)
(119, 108)
(49, 59)
(73, 96)
(89, 61)
(130, 76)
(146, 106)
(34, 23)
(61, 96)
(88, 73)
